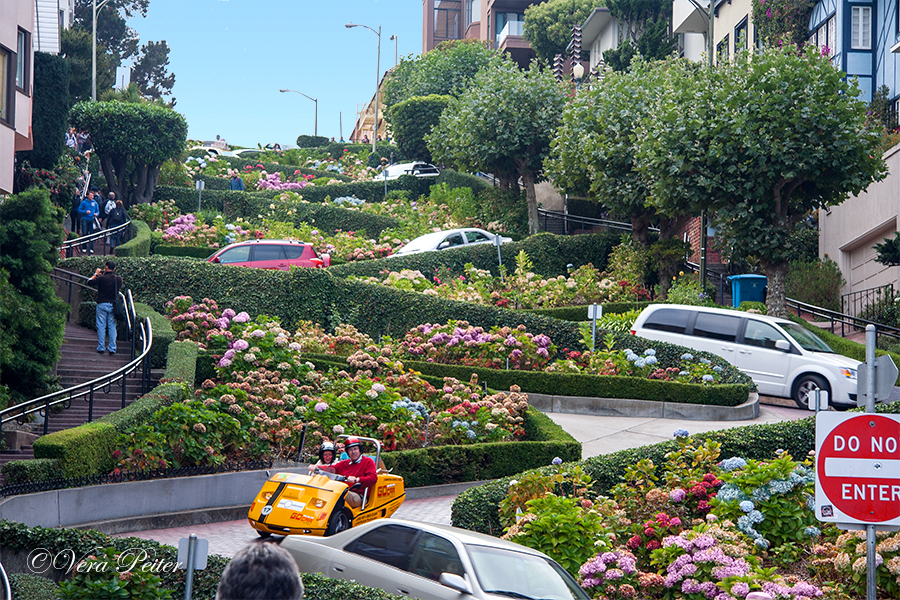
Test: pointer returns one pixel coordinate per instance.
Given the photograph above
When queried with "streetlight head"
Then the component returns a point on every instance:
(578, 71)
(393, 37)
(350, 25)
(282, 91)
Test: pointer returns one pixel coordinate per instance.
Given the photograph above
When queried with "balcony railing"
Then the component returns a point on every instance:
(516, 28)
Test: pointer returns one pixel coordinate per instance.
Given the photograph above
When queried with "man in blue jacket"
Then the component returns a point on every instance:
(88, 210)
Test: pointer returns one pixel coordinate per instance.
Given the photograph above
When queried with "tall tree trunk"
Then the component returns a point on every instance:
(148, 175)
(531, 198)
(640, 225)
(776, 303)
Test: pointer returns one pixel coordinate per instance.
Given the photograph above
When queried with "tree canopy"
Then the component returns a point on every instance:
(75, 46)
(132, 140)
(502, 124)
(548, 25)
(646, 31)
(151, 70)
(414, 118)
(760, 143)
(446, 70)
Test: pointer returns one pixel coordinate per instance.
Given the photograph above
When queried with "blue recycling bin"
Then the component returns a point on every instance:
(750, 288)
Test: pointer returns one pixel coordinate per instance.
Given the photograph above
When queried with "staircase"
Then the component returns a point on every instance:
(80, 362)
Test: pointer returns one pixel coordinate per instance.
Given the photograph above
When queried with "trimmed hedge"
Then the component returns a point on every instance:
(142, 410)
(550, 254)
(202, 252)
(139, 244)
(26, 586)
(848, 348)
(579, 313)
(181, 364)
(593, 386)
(25, 471)
(20, 539)
(81, 451)
(236, 162)
(476, 508)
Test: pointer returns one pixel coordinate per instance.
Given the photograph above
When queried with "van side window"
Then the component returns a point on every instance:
(761, 334)
(717, 327)
(668, 319)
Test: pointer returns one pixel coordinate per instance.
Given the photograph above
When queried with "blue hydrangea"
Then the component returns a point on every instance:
(761, 542)
(811, 502)
(733, 464)
(640, 363)
(416, 408)
(649, 352)
(681, 433)
(729, 493)
(708, 377)
(705, 361)
(651, 360)
(471, 434)
(717, 368)
(747, 506)
(556, 461)
(744, 524)
(755, 516)
(683, 373)
(780, 486)
(761, 494)
(687, 356)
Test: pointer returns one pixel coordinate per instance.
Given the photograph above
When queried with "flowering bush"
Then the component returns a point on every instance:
(272, 181)
(156, 214)
(843, 563)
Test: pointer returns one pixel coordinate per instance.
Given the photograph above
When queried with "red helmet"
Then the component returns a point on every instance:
(351, 442)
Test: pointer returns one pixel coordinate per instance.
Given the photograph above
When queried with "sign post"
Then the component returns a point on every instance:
(595, 311)
(200, 184)
(192, 552)
(858, 462)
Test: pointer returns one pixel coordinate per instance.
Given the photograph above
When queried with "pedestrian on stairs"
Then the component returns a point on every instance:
(107, 284)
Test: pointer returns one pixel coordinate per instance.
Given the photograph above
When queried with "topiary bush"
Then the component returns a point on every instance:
(139, 244)
(818, 283)
(25, 471)
(81, 451)
(26, 586)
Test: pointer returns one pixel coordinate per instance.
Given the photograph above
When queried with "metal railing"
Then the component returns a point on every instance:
(4, 584)
(848, 323)
(716, 279)
(856, 302)
(78, 246)
(142, 332)
(568, 224)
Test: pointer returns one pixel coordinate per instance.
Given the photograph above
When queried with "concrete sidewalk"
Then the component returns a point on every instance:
(598, 435)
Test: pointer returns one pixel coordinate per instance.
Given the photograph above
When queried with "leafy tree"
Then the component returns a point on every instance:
(548, 25)
(50, 110)
(413, 120)
(646, 25)
(446, 70)
(760, 147)
(32, 322)
(503, 123)
(132, 140)
(151, 70)
(594, 154)
(881, 109)
(113, 31)
(75, 46)
(888, 251)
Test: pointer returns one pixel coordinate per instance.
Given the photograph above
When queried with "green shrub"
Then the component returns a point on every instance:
(50, 110)
(82, 451)
(139, 245)
(753, 305)
(26, 586)
(413, 119)
(818, 283)
(311, 141)
(26, 471)
(885, 310)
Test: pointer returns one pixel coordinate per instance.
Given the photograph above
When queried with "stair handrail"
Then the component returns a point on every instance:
(845, 320)
(105, 382)
(4, 582)
(545, 215)
(71, 247)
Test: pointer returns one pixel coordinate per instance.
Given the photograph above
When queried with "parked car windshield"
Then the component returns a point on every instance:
(426, 242)
(519, 575)
(806, 339)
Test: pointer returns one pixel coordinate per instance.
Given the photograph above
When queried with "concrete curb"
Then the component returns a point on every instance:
(161, 503)
(619, 407)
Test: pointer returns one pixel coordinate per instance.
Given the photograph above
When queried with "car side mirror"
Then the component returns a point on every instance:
(215, 259)
(455, 582)
(443, 245)
(782, 345)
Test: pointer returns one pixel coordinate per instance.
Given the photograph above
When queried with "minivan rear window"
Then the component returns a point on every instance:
(668, 319)
(717, 327)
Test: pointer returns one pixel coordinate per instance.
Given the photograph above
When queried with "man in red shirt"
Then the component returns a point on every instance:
(357, 469)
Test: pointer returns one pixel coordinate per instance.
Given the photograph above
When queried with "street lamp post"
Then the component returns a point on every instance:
(578, 73)
(94, 49)
(315, 114)
(395, 38)
(377, 78)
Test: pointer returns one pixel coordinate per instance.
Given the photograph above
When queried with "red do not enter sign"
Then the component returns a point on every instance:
(858, 468)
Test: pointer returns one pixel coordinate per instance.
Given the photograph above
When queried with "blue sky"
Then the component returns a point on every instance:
(230, 58)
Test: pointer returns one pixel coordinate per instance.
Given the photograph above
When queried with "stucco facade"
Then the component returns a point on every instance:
(16, 60)
(848, 232)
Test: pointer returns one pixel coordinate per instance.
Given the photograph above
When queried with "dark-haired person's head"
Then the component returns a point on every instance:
(110, 265)
(261, 571)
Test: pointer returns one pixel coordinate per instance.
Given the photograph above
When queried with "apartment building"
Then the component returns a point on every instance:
(17, 18)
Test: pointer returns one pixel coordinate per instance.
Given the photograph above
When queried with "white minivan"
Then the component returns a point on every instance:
(782, 357)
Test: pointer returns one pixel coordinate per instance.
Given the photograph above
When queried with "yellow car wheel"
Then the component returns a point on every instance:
(338, 522)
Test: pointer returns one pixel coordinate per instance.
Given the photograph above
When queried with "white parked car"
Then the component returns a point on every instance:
(782, 357)
(416, 169)
(451, 238)
(433, 562)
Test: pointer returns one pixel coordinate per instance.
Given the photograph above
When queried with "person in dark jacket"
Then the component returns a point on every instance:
(108, 285)
(236, 182)
(116, 217)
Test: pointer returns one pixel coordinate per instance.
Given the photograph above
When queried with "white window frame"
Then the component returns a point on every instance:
(861, 28)
(7, 85)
